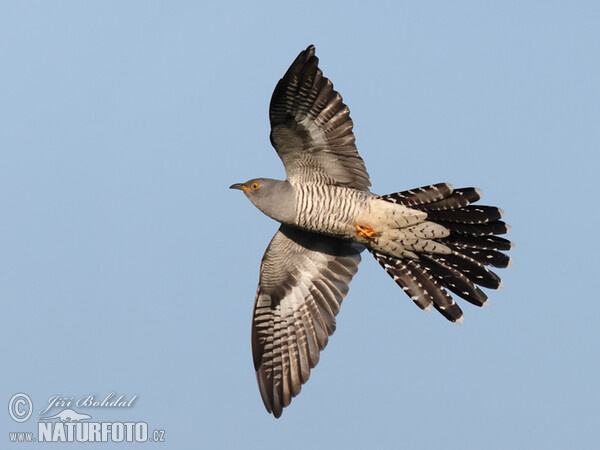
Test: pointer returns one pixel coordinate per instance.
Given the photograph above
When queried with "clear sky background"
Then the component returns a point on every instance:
(128, 266)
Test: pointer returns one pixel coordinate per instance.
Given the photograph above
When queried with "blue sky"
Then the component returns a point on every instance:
(128, 266)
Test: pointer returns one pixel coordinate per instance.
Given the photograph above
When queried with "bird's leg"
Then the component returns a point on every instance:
(364, 230)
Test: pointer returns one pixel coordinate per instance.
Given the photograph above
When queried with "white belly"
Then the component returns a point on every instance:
(399, 231)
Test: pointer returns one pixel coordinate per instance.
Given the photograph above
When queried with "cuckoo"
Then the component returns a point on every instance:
(431, 240)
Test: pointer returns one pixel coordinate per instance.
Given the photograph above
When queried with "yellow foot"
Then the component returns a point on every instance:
(364, 230)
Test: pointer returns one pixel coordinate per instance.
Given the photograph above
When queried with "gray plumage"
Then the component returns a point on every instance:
(430, 240)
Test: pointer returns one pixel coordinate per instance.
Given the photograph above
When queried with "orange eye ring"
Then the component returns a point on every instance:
(254, 186)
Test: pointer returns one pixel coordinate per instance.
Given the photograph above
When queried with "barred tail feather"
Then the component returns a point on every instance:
(457, 199)
(485, 257)
(488, 229)
(494, 243)
(455, 281)
(420, 285)
(401, 274)
(473, 244)
(420, 196)
(470, 215)
(472, 269)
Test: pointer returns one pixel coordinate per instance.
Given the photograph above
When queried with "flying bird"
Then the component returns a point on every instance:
(431, 240)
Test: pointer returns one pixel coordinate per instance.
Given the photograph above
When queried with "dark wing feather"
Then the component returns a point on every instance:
(311, 128)
(303, 279)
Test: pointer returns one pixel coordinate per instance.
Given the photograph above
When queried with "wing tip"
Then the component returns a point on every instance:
(308, 53)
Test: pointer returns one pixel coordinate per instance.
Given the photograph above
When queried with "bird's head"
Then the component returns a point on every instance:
(275, 198)
(252, 187)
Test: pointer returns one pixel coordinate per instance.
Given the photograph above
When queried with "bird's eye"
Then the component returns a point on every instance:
(254, 186)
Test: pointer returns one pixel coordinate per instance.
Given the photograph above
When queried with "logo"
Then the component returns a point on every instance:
(68, 415)
(69, 425)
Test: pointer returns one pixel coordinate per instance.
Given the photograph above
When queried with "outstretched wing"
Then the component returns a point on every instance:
(311, 128)
(303, 279)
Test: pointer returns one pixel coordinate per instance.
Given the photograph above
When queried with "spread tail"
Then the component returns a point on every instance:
(473, 246)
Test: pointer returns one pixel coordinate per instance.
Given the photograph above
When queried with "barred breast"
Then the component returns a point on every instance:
(330, 210)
